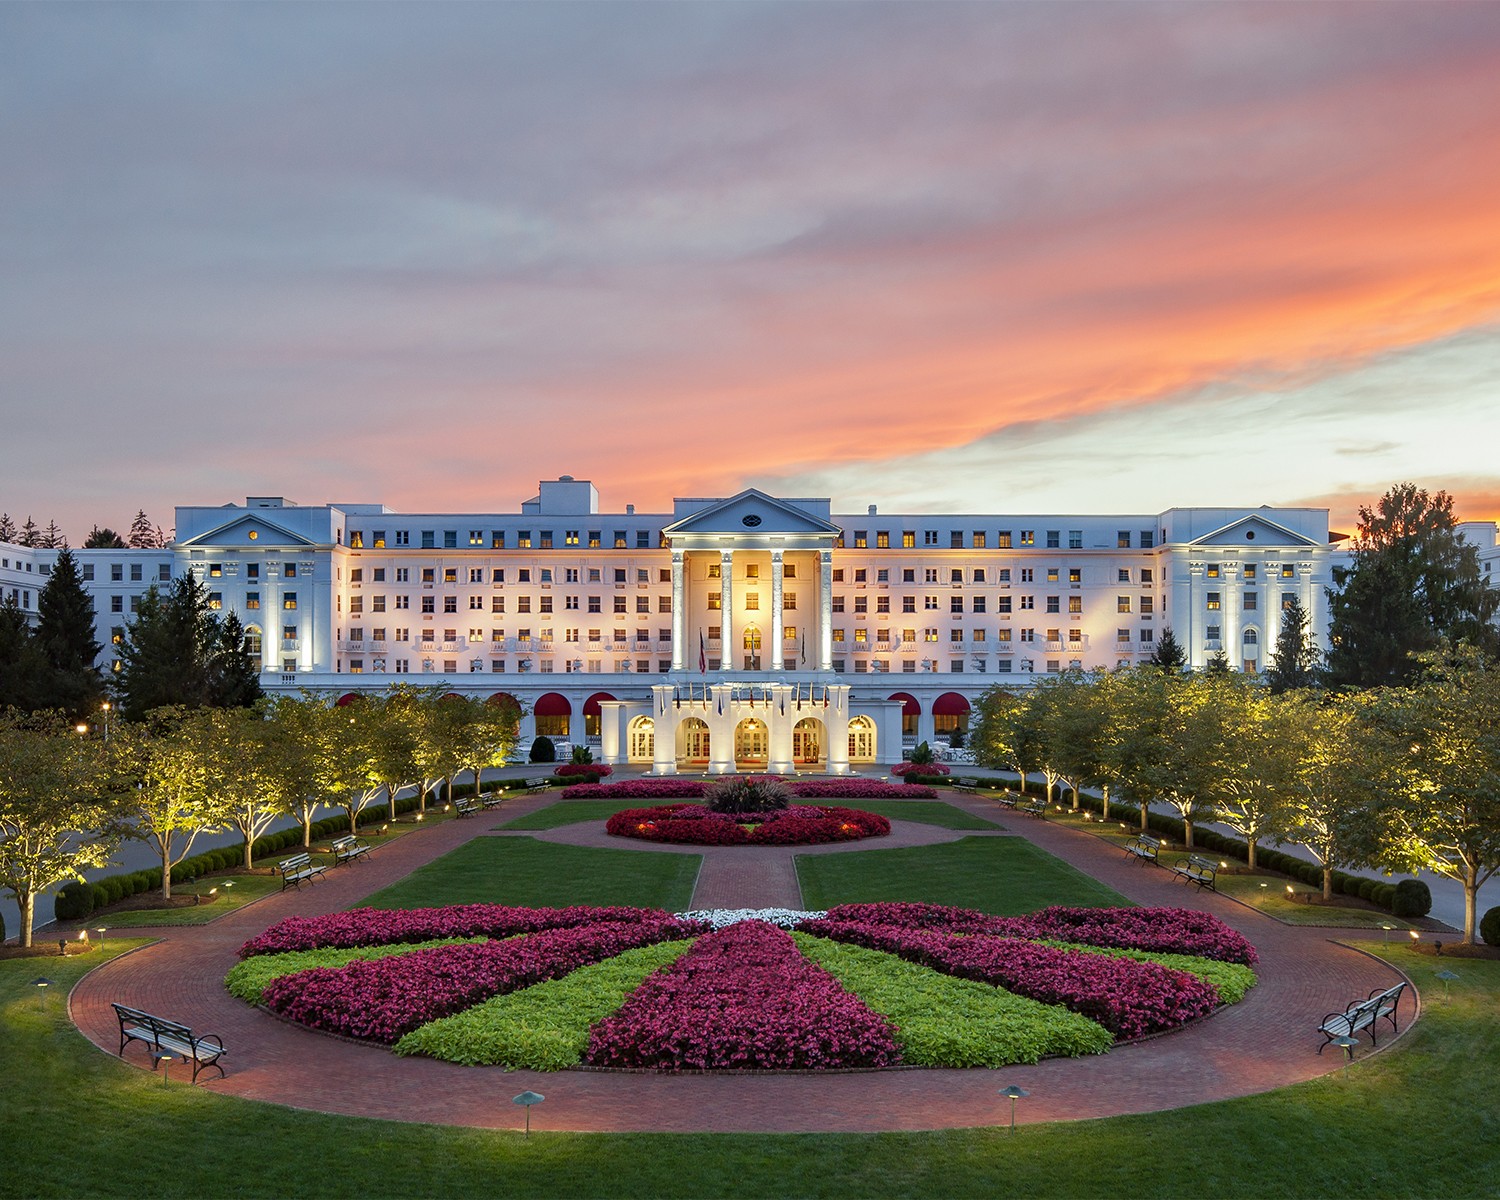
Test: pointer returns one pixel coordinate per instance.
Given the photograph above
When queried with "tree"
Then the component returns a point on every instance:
(103, 539)
(29, 535)
(352, 753)
(994, 735)
(8, 531)
(297, 722)
(1441, 812)
(486, 734)
(143, 536)
(173, 756)
(1294, 662)
(244, 770)
(1251, 766)
(1412, 583)
(23, 669)
(65, 636)
(1165, 754)
(52, 537)
(175, 651)
(233, 676)
(1168, 655)
(56, 808)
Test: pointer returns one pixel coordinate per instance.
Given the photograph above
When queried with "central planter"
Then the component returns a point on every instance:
(697, 825)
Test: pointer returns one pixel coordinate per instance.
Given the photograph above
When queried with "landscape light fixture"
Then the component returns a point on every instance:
(526, 1100)
(1447, 977)
(1015, 1093)
(41, 983)
(1416, 937)
(100, 932)
(1346, 1044)
(1385, 932)
(62, 947)
(166, 1066)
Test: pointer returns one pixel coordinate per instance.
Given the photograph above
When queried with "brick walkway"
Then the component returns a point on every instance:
(1267, 1041)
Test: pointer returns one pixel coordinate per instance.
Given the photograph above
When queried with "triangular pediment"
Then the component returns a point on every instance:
(751, 513)
(1252, 531)
(237, 533)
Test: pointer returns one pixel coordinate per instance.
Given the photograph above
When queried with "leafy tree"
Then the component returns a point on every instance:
(29, 535)
(103, 539)
(56, 808)
(1168, 655)
(8, 531)
(1413, 582)
(142, 534)
(1251, 765)
(1086, 751)
(1294, 662)
(244, 769)
(65, 636)
(297, 783)
(1441, 812)
(487, 734)
(353, 753)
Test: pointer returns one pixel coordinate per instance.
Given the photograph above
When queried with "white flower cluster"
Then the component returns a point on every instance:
(785, 918)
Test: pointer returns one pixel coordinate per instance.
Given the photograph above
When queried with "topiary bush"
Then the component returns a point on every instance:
(748, 794)
(74, 901)
(1489, 927)
(542, 750)
(1413, 899)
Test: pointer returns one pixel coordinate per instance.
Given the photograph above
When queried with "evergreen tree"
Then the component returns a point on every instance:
(142, 536)
(29, 535)
(52, 537)
(8, 531)
(1218, 664)
(1413, 582)
(1169, 656)
(65, 636)
(22, 667)
(103, 539)
(1294, 662)
(234, 678)
(174, 652)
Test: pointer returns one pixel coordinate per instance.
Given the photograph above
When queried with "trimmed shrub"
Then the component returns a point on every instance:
(542, 750)
(74, 901)
(1413, 899)
(1489, 927)
(1385, 894)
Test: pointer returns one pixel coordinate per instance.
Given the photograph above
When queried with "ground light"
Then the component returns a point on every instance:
(166, 1067)
(100, 932)
(1447, 977)
(1346, 1044)
(1015, 1093)
(41, 983)
(526, 1100)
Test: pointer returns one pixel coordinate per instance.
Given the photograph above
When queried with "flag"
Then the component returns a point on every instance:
(802, 650)
(702, 654)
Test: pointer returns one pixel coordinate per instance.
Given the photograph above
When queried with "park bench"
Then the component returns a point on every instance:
(163, 1037)
(465, 806)
(1195, 869)
(297, 868)
(1006, 799)
(347, 849)
(966, 785)
(1364, 1014)
(492, 799)
(536, 785)
(1033, 808)
(1144, 847)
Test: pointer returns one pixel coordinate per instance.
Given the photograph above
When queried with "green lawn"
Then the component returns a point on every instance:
(246, 888)
(521, 870)
(1417, 1121)
(925, 812)
(569, 812)
(1001, 875)
(1268, 894)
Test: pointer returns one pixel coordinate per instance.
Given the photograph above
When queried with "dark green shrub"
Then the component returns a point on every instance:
(542, 750)
(1385, 894)
(101, 895)
(1367, 889)
(1489, 927)
(114, 889)
(1413, 899)
(921, 753)
(74, 901)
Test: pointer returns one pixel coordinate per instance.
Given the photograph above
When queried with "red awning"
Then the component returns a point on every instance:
(912, 707)
(500, 699)
(347, 698)
(553, 705)
(591, 705)
(950, 704)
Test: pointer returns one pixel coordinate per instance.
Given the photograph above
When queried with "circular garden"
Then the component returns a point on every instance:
(858, 986)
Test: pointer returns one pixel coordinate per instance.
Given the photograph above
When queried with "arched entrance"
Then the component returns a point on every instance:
(752, 743)
(591, 713)
(911, 711)
(253, 644)
(692, 744)
(751, 642)
(809, 741)
(950, 714)
(641, 740)
(861, 739)
(553, 715)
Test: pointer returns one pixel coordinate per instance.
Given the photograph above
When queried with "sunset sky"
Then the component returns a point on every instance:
(946, 257)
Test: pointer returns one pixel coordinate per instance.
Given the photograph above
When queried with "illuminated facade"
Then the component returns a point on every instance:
(745, 633)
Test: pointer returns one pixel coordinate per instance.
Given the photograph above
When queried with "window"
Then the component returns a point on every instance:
(1147, 636)
(955, 540)
(403, 574)
(356, 604)
(1028, 575)
(1146, 576)
(1249, 572)
(1054, 604)
(978, 539)
(908, 604)
(403, 537)
(289, 600)
(1252, 601)
(1028, 603)
(908, 539)
(955, 604)
(1075, 539)
(789, 602)
(1122, 604)
(450, 574)
(403, 601)
(1287, 570)
(1148, 539)
(752, 601)
(1002, 604)
(594, 604)
(930, 602)
(1211, 632)
(1287, 600)
(1213, 570)
(116, 603)
(1075, 604)
(117, 572)
(1123, 575)
(882, 539)
(1052, 575)
(1148, 606)
(929, 537)
(1028, 635)
(1213, 601)
(861, 604)
(1054, 539)
(450, 604)
(861, 539)
(252, 600)
(428, 604)
(619, 605)
(1122, 635)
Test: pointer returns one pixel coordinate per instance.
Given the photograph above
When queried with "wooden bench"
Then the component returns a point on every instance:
(1195, 869)
(1144, 847)
(1006, 799)
(492, 800)
(347, 849)
(163, 1037)
(1033, 808)
(465, 806)
(965, 785)
(297, 868)
(1364, 1014)
(536, 785)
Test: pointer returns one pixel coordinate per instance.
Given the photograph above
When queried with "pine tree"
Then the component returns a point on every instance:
(52, 537)
(65, 636)
(29, 535)
(103, 539)
(142, 536)
(1294, 662)
(1168, 656)
(234, 678)
(1218, 664)
(8, 531)
(22, 667)
(176, 651)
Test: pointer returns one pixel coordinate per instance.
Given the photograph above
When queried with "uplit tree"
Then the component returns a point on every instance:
(1250, 764)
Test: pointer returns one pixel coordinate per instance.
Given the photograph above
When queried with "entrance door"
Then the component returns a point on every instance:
(752, 742)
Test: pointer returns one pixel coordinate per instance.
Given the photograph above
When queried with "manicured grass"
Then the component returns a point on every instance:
(1419, 1120)
(246, 888)
(1273, 900)
(925, 812)
(1002, 875)
(521, 870)
(569, 812)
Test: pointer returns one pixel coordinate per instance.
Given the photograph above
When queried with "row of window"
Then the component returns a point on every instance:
(546, 539)
(1005, 539)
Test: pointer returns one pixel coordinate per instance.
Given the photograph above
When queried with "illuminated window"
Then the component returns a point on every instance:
(289, 600)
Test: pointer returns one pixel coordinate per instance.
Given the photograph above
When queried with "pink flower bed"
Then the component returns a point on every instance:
(1159, 930)
(570, 769)
(837, 788)
(637, 789)
(831, 788)
(911, 768)
(383, 999)
(743, 998)
(1128, 998)
(385, 927)
(695, 825)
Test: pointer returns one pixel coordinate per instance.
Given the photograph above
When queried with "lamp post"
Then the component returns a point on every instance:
(100, 932)
(526, 1100)
(1015, 1093)
(166, 1066)
(1346, 1044)
(1447, 977)
(105, 710)
(41, 983)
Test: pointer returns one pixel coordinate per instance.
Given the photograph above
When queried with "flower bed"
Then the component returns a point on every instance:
(743, 998)
(695, 825)
(572, 770)
(927, 768)
(817, 787)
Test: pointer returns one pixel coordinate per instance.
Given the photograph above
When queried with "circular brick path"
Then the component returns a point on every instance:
(1267, 1041)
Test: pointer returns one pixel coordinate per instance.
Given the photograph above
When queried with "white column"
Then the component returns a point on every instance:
(825, 614)
(781, 715)
(776, 627)
(721, 728)
(679, 615)
(726, 618)
(836, 719)
(664, 727)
